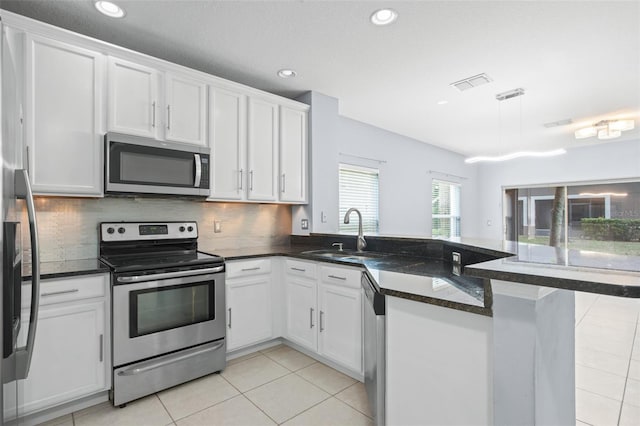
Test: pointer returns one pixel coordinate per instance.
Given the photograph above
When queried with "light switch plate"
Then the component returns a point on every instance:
(217, 227)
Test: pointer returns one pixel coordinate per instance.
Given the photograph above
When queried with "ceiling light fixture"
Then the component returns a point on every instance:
(502, 97)
(384, 16)
(110, 9)
(601, 194)
(605, 129)
(287, 73)
(511, 156)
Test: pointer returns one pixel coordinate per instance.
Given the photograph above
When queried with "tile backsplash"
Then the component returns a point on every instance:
(68, 227)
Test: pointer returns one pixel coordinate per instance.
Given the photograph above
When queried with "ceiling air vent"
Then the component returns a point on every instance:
(471, 82)
(510, 94)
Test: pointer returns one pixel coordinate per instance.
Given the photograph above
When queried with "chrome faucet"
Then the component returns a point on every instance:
(360, 242)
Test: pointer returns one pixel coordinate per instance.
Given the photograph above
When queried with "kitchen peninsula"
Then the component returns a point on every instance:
(506, 348)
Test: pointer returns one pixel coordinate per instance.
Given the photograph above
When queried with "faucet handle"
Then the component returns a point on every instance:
(339, 245)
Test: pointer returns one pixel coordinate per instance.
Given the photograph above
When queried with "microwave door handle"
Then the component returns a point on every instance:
(198, 161)
(23, 355)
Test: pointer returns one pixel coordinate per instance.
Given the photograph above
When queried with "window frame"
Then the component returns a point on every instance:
(366, 221)
(453, 224)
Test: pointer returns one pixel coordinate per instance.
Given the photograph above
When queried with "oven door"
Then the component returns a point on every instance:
(160, 313)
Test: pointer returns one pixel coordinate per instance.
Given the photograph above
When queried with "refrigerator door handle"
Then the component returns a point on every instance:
(23, 191)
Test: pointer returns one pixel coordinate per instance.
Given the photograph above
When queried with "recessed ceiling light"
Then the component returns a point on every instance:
(384, 16)
(286, 73)
(110, 9)
(443, 102)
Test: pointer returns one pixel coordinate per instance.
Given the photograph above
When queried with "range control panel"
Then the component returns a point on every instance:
(132, 231)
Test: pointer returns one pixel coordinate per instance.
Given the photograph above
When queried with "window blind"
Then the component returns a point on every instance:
(445, 209)
(358, 188)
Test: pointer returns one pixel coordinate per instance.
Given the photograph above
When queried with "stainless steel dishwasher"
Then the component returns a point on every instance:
(374, 349)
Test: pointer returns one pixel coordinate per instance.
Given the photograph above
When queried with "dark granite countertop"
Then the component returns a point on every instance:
(67, 268)
(545, 266)
(419, 278)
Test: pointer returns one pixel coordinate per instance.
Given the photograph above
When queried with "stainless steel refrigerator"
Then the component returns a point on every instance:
(16, 197)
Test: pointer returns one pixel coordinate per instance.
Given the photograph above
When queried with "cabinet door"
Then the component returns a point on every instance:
(301, 311)
(340, 332)
(293, 155)
(64, 118)
(186, 110)
(248, 311)
(228, 142)
(69, 357)
(262, 150)
(133, 98)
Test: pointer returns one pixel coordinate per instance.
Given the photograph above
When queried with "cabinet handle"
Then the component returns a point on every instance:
(257, 268)
(168, 117)
(321, 316)
(298, 269)
(153, 114)
(310, 317)
(337, 277)
(101, 347)
(241, 172)
(283, 182)
(229, 317)
(27, 161)
(56, 293)
(251, 180)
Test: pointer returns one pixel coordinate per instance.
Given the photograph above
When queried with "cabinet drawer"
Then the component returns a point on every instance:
(298, 268)
(348, 277)
(58, 290)
(247, 268)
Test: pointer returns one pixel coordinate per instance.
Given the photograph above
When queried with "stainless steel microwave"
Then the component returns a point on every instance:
(139, 165)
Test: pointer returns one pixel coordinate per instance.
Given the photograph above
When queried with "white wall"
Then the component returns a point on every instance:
(406, 166)
(601, 162)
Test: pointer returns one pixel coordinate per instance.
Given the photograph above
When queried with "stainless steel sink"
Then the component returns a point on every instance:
(344, 254)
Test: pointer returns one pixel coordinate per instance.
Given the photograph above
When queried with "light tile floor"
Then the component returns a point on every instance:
(276, 386)
(283, 386)
(607, 360)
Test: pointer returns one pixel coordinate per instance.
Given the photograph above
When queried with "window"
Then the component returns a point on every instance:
(358, 189)
(594, 217)
(445, 209)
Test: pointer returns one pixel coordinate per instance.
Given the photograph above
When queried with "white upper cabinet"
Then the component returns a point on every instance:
(228, 143)
(186, 110)
(139, 104)
(262, 150)
(63, 120)
(133, 98)
(293, 155)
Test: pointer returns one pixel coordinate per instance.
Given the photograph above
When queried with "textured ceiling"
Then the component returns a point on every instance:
(575, 59)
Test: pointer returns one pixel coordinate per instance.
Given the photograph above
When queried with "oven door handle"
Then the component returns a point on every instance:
(168, 275)
(152, 365)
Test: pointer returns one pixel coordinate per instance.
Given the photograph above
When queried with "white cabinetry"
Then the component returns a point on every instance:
(325, 314)
(258, 148)
(133, 98)
(70, 359)
(301, 303)
(186, 109)
(228, 143)
(139, 104)
(64, 124)
(248, 292)
(293, 155)
(262, 150)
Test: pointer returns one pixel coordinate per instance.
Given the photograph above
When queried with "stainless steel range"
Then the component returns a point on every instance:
(168, 306)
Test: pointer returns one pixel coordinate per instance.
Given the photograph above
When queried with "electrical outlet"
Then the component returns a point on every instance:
(217, 226)
(304, 224)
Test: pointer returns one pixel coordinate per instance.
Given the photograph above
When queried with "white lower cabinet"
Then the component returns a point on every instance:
(70, 358)
(248, 293)
(324, 313)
